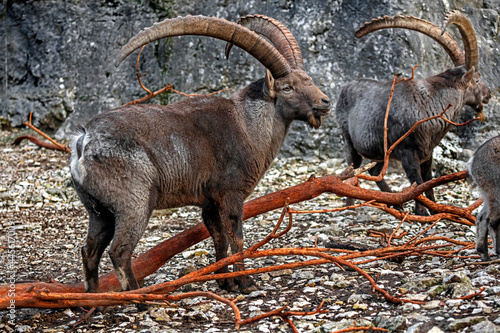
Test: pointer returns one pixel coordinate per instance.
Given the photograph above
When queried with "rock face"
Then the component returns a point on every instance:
(58, 57)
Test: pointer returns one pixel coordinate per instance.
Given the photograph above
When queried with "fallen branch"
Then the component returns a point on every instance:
(38, 142)
(53, 145)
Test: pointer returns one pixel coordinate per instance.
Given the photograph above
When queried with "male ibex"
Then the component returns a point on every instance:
(205, 151)
(484, 170)
(362, 104)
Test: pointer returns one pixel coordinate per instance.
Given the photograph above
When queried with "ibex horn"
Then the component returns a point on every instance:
(277, 34)
(468, 36)
(413, 23)
(219, 28)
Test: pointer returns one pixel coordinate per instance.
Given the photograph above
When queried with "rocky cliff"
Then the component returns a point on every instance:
(57, 57)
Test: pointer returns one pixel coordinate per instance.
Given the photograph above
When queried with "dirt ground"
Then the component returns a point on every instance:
(39, 207)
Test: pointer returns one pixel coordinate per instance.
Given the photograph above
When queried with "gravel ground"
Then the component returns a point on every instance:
(39, 205)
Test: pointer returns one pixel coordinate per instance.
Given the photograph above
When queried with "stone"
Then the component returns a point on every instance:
(303, 275)
(435, 329)
(148, 322)
(160, 314)
(392, 324)
(360, 306)
(495, 290)
(257, 293)
(461, 323)
(356, 298)
(23, 329)
(432, 305)
(416, 297)
(457, 284)
(454, 302)
(484, 327)
(424, 282)
(414, 328)
(69, 313)
(458, 277)
(410, 307)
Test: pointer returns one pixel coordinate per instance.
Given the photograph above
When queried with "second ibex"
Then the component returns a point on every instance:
(204, 151)
(362, 104)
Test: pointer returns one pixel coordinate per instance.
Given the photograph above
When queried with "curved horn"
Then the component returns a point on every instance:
(231, 32)
(277, 34)
(468, 36)
(413, 23)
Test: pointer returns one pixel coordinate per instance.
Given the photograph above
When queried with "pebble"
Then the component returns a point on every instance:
(461, 323)
(435, 329)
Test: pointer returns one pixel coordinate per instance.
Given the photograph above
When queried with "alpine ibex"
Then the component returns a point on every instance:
(205, 151)
(362, 104)
(483, 169)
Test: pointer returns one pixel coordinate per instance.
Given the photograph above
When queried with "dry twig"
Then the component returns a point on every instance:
(168, 87)
(53, 145)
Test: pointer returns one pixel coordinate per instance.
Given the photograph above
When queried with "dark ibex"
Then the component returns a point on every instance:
(362, 104)
(483, 168)
(205, 151)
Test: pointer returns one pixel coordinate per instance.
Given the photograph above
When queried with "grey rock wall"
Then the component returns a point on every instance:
(57, 57)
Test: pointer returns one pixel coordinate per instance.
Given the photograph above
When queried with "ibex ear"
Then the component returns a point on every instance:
(270, 84)
(468, 76)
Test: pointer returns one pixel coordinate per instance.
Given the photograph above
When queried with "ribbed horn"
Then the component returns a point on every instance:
(413, 23)
(219, 28)
(278, 35)
(468, 36)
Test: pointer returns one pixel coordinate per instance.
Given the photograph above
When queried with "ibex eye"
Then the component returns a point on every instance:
(287, 88)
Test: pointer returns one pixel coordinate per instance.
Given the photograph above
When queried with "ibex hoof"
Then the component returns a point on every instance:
(247, 285)
(228, 284)
(485, 257)
(249, 289)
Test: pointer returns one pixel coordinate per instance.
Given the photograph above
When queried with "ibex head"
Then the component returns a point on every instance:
(476, 93)
(295, 94)
(298, 98)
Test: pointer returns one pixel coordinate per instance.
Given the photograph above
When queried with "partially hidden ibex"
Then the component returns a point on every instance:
(362, 104)
(205, 151)
(484, 170)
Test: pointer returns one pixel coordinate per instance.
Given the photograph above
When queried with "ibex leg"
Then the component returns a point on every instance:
(494, 227)
(426, 171)
(382, 185)
(482, 224)
(100, 233)
(129, 228)
(412, 166)
(352, 157)
(231, 215)
(213, 222)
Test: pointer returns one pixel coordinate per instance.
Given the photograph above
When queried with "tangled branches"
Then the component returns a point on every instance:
(41, 295)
